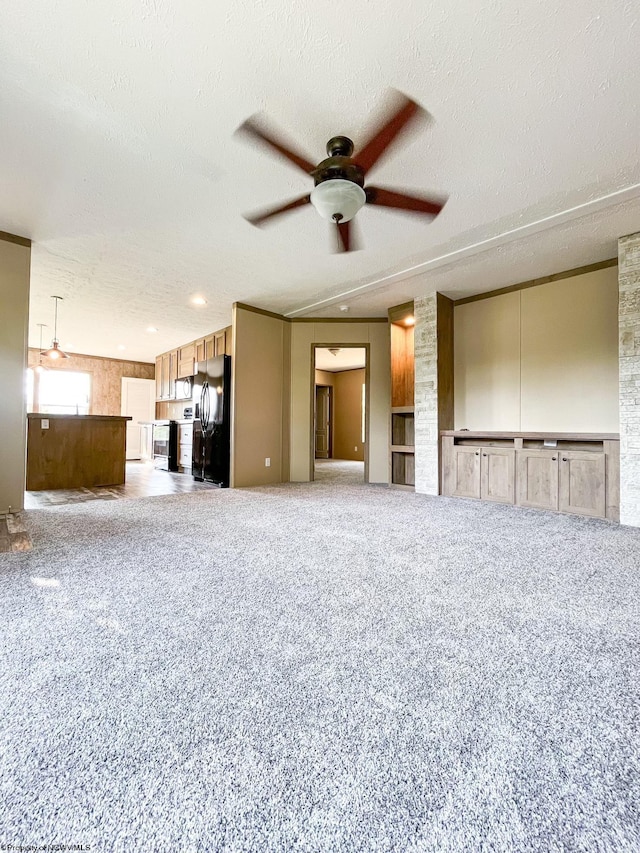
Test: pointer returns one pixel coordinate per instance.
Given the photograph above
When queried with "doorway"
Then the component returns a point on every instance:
(138, 403)
(340, 414)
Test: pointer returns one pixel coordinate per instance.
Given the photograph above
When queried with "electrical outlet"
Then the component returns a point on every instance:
(44, 423)
(267, 462)
(355, 449)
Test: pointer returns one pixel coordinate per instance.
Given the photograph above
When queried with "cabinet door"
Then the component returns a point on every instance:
(173, 373)
(466, 472)
(582, 483)
(186, 359)
(219, 340)
(159, 378)
(201, 354)
(165, 373)
(497, 474)
(209, 346)
(537, 478)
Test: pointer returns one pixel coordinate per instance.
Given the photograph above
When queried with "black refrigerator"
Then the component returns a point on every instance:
(212, 421)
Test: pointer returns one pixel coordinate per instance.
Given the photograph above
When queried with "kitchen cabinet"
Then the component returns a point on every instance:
(173, 373)
(210, 346)
(578, 473)
(165, 376)
(159, 377)
(219, 342)
(181, 363)
(185, 444)
(186, 361)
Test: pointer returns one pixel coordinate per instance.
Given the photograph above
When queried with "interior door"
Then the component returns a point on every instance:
(323, 421)
(138, 403)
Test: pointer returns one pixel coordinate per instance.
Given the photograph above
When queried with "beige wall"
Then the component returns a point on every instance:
(347, 414)
(260, 399)
(303, 336)
(324, 377)
(541, 359)
(15, 260)
(106, 377)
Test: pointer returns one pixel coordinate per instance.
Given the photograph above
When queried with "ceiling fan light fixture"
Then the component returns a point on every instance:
(338, 200)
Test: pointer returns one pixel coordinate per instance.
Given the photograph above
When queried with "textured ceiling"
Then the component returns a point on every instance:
(347, 358)
(117, 154)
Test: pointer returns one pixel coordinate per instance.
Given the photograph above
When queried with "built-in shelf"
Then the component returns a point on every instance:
(401, 448)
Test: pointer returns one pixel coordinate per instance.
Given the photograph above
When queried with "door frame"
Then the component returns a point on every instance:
(367, 401)
(315, 415)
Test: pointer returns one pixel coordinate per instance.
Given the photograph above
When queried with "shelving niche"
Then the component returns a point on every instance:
(402, 446)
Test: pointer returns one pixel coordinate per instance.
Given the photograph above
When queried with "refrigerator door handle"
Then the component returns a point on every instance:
(203, 406)
(207, 404)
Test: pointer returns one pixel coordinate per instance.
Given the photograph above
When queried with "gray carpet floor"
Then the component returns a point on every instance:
(320, 668)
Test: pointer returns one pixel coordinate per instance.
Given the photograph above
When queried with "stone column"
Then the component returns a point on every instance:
(629, 357)
(433, 345)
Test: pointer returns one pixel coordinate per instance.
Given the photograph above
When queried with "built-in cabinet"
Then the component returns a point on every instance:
(402, 447)
(575, 473)
(182, 362)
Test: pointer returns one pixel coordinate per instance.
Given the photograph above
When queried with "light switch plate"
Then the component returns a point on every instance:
(44, 423)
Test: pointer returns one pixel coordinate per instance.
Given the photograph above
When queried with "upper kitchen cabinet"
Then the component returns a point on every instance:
(186, 361)
(182, 362)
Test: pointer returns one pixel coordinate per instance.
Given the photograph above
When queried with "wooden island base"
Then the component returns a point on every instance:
(75, 451)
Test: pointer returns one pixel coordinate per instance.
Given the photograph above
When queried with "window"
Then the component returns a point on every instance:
(65, 392)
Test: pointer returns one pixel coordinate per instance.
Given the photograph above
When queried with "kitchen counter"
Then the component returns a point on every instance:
(75, 451)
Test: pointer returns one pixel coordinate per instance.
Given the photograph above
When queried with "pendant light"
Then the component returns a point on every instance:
(55, 351)
(40, 367)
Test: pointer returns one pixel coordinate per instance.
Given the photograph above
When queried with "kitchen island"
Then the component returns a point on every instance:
(75, 451)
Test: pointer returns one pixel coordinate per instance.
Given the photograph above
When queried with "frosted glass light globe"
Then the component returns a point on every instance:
(338, 196)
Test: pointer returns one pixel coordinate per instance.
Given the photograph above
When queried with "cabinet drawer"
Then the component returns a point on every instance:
(185, 434)
(184, 456)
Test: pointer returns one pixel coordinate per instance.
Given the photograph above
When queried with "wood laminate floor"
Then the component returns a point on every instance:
(142, 481)
(13, 534)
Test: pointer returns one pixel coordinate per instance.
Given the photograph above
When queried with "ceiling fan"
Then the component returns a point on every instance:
(340, 189)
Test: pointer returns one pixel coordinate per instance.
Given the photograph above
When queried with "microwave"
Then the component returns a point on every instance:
(184, 388)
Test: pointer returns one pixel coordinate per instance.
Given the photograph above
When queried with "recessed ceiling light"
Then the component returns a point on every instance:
(151, 329)
(199, 300)
(121, 346)
(344, 307)
(410, 321)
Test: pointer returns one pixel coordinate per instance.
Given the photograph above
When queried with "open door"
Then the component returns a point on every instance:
(323, 422)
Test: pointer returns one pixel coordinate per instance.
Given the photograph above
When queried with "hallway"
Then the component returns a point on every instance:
(339, 472)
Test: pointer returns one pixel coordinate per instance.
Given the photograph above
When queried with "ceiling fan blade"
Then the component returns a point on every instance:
(401, 201)
(347, 237)
(252, 129)
(403, 111)
(261, 216)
